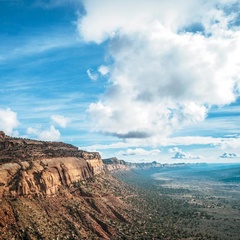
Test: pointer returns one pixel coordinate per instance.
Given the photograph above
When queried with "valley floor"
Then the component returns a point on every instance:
(183, 203)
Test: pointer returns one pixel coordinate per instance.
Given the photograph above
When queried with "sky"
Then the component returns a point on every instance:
(138, 80)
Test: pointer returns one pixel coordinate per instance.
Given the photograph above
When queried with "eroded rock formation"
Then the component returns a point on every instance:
(37, 168)
(94, 159)
(113, 164)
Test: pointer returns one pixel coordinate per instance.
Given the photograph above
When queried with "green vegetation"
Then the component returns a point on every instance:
(179, 213)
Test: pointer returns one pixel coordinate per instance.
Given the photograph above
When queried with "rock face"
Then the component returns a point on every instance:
(37, 168)
(94, 209)
(113, 164)
(94, 159)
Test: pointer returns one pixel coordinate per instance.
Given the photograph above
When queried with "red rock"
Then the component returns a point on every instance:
(37, 168)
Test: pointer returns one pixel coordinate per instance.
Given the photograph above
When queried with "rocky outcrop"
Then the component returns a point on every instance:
(37, 168)
(113, 164)
(2, 135)
(43, 177)
(93, 210)
(94, 159)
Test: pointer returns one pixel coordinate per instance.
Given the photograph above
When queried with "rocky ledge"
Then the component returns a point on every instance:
(37, 168)
(113, 164)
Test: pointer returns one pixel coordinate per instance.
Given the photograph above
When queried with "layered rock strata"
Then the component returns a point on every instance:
(37, 168)
(113, 164)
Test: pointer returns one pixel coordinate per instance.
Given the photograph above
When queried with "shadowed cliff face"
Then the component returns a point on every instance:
(29, 167)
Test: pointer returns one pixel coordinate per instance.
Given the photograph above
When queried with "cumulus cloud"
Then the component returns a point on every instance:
(51, 134)
(170, 65)
(229, 155)
(231, 142)
(103, 70)
(8, 121)
(179, 154)
(60, 120)
(139, 151)
(92, 76)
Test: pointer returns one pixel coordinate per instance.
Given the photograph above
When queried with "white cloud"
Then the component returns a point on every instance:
(106, 19)
(51, 134)
(8, 121)
(165, 75)
(139, 151)
(229, 155)
(32, 130)
(218, 143)
(184, 155)
(232, 143)
(60, 120)
(103, 70)
(174, 150)
(92, 76)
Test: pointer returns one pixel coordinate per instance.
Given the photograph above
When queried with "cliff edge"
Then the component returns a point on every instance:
(37, 168)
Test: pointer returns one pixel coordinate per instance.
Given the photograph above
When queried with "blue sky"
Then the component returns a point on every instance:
(160, 84)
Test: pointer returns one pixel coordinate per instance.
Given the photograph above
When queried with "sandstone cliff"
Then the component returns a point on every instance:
(93, 209)
(52, 190)
(113, 164)
(37, 168)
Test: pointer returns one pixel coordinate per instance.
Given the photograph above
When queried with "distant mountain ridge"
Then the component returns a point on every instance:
(113, 164)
